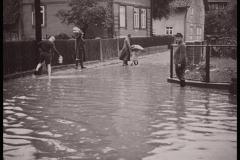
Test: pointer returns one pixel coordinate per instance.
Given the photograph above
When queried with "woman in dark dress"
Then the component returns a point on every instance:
(126, 51)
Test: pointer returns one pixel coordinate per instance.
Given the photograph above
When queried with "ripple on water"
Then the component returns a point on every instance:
(20, 153)
(47, 133)
(13, 125)
(11, 118)
(20, 114)
(8, 112)
(59, 147)
(25, 97)
(199, 101)
(31, 118)
(21, 131)
(10, 100)
(108, 149)
(16, 141)
(64, 121)
(13, 108)
(8, 104)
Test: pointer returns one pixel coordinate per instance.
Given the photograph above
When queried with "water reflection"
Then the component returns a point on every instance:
(197, 131)
(122, 113)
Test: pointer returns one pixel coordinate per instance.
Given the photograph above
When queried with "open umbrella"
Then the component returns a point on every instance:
(137, 47)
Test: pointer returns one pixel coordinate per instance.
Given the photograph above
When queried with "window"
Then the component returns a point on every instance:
(122, 16)
(191, 11)
(143, 18)
(222, 5)
(42, 12)
(139, 18)
(212, 6)
(191, 33)
(169, 30)
(136, 18)
(199, 33)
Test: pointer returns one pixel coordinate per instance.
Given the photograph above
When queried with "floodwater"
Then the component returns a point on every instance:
(117, 113)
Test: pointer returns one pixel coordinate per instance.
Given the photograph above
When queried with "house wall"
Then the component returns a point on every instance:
(130, 4)
(53, 25)
(195, 21)
(175, 20)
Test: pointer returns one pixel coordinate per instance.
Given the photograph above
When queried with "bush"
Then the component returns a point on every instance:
(152, 41)
(62, 36)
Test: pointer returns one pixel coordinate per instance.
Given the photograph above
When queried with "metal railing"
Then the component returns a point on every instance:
(208, 63)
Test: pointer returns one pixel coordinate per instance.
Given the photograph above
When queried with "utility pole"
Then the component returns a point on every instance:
(151, 18)
(38, 27)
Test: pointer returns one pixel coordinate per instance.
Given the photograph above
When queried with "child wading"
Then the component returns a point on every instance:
(180, 59)
(46, 49)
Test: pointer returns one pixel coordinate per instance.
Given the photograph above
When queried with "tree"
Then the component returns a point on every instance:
(83, 13)
(222, 23)
(160, 9)
(10, 11)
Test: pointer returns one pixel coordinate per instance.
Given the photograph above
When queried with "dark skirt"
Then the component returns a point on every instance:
(124, 55)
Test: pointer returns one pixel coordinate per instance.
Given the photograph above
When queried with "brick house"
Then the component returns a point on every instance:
(186, 17)
(132, 16)
(129, 16)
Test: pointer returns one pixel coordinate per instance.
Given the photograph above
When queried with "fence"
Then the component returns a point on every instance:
(20, 56)
(208, 63)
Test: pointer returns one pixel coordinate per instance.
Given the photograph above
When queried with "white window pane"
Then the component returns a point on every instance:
(143, 18)
(136, 17)
(122, 16)
(42, 12)
(42, 16)
(169, 30)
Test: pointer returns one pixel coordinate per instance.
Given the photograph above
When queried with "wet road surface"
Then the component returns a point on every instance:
(117, 113)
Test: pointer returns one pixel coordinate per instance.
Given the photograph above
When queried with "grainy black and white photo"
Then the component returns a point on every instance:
(120, 79)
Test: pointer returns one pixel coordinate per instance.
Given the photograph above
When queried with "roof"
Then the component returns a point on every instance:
(186, 3)
(180, 3)
(218, 1)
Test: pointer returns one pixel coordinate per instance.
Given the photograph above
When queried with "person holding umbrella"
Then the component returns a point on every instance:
(125, 52)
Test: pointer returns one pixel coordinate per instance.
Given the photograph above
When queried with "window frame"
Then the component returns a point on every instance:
(43, 12)
(136, 20)
(199, 33)
(168, 29)
(143, 20)
(191, 11)
(125, 16)
(191, 33)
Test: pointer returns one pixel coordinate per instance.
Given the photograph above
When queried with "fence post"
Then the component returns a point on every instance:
(118, 46)
(101, 53)
(171, 62)
(208, 50)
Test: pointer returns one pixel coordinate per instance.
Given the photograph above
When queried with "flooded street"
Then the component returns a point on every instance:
(117, 113)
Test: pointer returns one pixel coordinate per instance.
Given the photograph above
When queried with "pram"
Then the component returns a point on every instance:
(136, 49)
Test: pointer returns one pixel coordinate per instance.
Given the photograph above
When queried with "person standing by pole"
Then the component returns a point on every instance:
(180, 59)
(79, 46)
